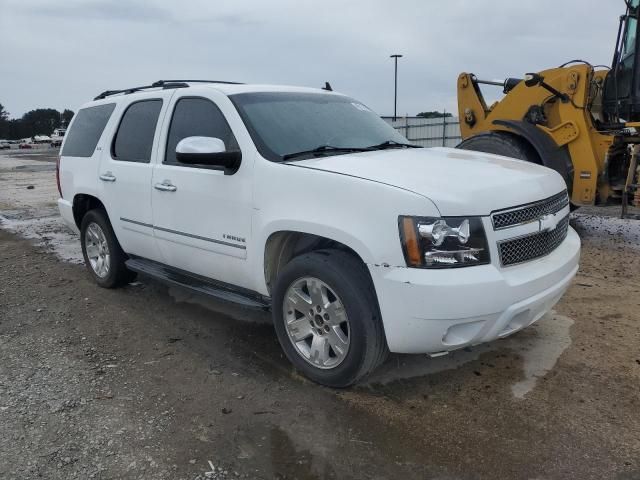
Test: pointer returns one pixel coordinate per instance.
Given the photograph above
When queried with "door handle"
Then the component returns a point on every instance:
(108, 177)
(165, 186)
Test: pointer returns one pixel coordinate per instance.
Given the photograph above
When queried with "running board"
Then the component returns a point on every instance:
(197, 283)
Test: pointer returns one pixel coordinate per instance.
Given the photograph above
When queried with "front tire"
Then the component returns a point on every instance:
(501, 143)
(101, 250)
(508, 145)
(327, 318)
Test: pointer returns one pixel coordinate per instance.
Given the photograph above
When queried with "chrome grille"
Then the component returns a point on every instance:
(534, 245)
(527, 213)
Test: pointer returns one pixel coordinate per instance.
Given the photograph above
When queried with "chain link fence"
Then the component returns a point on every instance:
(428, 132)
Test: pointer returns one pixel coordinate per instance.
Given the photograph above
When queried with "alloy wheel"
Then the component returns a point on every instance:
(97, 249)
(316, 322)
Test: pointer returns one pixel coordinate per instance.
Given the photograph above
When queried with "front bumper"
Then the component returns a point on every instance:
(433, 311)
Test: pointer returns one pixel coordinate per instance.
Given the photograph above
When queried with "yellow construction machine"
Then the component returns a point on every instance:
(581, 120)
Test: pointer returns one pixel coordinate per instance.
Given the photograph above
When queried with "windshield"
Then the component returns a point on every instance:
(285, 123)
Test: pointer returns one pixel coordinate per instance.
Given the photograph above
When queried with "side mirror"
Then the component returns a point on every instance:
(207, 151)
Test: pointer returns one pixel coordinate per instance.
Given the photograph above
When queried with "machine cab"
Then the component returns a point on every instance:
(622, 85)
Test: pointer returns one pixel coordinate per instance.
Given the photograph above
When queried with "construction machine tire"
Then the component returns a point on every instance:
(501, 143)
(506, 144)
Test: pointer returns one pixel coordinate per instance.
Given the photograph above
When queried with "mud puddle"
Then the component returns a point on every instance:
(46, 229)
(539, 345)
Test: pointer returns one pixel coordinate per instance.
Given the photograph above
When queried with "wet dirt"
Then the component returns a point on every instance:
(152, 382)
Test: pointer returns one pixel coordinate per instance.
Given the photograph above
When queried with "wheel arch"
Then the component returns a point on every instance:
(282, 246)
(83, 203)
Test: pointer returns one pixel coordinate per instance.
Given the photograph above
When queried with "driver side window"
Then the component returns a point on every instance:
(197, 117)
(630, 37)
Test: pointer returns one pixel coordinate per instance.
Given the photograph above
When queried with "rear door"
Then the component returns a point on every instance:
(126, 170)
(82, 150)
(202, 224)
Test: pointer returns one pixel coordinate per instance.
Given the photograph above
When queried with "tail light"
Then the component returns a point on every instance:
(58, 176)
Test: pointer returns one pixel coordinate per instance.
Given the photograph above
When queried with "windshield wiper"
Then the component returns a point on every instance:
(392, 144)
(331, 149)
(323, 149)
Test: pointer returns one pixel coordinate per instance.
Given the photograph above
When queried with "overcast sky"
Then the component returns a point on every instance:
(60, 54)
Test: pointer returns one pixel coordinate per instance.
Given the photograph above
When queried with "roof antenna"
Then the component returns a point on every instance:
(327, 87)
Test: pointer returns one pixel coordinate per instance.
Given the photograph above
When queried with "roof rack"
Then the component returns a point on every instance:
(165, 84)
(199, 81)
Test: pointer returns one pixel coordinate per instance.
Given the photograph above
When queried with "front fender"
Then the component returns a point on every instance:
(327, 231)
(359, 213)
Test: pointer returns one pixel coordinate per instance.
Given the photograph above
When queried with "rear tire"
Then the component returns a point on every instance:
(331, 331)
(101, 250)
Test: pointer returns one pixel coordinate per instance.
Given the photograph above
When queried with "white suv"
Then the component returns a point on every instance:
(305, 202)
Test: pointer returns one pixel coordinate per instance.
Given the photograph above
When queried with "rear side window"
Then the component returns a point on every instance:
(197, 117)
(134, 138)
(86, 130)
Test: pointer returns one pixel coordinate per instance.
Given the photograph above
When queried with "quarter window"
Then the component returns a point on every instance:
(86, 130)
(197, 117)
(134, 139)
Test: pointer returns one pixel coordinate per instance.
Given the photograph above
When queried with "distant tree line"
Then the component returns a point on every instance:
(434, 114)
(42, 121)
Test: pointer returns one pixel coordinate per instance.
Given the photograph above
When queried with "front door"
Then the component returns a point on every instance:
(126, 170)
(202, 216)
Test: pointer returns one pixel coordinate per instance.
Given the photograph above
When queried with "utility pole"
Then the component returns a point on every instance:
(444, 127)
(395, 87)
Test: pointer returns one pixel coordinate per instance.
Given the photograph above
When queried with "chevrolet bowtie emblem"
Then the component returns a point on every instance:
(548, 222)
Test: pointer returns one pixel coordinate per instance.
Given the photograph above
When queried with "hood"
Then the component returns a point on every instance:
(458, 182)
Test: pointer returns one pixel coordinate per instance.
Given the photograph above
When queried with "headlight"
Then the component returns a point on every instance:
(443, 242)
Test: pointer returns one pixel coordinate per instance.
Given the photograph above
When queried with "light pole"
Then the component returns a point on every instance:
(395, 87)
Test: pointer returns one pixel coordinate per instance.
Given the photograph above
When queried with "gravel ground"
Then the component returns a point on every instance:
(156, 383)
